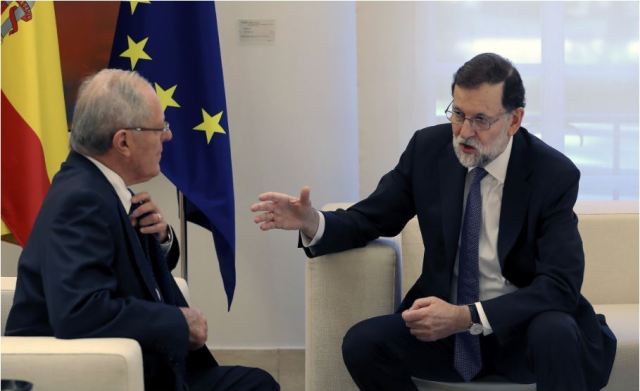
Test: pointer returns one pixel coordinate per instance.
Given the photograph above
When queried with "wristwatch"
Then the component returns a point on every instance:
(475, 326)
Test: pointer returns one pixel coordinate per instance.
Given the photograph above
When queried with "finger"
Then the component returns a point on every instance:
(410, 315)
(413, 324)
(140, 197)
(407, 314)
(264, 217)
(305, 196)
(422, 302)
(273, 196)
(150, 219)
(266, 206)
(143, 209)
(159, 229)
(267, 226)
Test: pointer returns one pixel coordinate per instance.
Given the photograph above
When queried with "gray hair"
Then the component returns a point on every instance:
(109, 100)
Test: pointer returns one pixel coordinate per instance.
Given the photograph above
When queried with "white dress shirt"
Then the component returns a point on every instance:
(116, 182)
(492, 283)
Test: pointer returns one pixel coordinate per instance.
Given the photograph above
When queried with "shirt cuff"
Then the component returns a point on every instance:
(483, 319)
(166, 246)
(306, 242)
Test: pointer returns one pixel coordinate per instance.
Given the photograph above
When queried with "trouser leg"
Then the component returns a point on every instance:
(381, 354)
(554, 346)
(233, 378)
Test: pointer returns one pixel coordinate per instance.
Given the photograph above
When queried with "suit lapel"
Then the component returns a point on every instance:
(452, 175)
(76, 160)
(139, 257)
(515, 195)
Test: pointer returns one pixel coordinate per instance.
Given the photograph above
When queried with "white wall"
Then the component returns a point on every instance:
(293, 121)
(388, 102)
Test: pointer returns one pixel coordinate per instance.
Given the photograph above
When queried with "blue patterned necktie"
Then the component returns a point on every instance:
(467, 358)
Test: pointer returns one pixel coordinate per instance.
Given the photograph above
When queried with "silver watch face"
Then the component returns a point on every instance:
(476, 329)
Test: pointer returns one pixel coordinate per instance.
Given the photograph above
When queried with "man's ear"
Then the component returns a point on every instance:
(516, 120)
(120, 142)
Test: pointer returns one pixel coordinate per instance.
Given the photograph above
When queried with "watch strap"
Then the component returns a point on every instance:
(475, 318)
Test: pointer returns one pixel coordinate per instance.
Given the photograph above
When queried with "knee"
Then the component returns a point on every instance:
(358, 343)
(553, 332)
(264, 381)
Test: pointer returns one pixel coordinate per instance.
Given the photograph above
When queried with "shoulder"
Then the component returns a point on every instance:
(431, 139)
(544, 155)
(440, 134)
(80, 187)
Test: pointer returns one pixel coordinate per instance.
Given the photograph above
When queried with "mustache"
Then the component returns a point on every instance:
(469, 142)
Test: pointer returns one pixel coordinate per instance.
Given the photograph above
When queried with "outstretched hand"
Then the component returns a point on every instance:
(282, 211)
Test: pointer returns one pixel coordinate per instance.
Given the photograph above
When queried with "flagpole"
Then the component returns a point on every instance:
(183, 238)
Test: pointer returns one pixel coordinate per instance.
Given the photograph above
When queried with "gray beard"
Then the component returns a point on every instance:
(485, 154)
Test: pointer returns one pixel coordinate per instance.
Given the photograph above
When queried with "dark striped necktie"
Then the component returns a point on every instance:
(467, 357)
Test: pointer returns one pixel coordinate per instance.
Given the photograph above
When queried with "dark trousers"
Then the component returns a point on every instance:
(232, 378)
(381, 354)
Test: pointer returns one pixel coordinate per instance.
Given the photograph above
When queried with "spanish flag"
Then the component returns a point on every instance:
(34, 126)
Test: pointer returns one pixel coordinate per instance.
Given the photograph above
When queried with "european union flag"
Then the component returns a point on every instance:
(175, 46)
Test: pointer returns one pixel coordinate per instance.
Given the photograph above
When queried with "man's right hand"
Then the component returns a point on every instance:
(283, 211)
(197, 327)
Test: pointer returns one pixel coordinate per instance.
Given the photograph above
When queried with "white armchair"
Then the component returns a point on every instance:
(346, 287)
(96, 364)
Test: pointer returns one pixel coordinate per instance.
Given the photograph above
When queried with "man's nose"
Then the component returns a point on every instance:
(166, 136)
(466, 129)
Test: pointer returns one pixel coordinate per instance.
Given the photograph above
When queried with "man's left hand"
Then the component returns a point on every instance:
(151, 221)
(431, 319)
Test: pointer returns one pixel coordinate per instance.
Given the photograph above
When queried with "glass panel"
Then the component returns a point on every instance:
(590, 145)
(629, 147)
(604, 93)
(601, 32)
(469, 28)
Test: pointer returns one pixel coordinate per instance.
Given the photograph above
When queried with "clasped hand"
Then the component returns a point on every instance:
(431, 319)
(148, 217)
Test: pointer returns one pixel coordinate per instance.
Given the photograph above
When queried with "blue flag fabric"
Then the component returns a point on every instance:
(175, 46)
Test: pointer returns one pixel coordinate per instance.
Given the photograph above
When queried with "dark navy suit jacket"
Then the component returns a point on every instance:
(84, 274)
(539, 247)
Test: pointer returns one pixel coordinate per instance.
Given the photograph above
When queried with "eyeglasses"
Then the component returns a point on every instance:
(477, 123)
(166, 128)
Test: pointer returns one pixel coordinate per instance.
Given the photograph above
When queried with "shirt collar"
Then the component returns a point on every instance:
(116, 181)
(497, 168)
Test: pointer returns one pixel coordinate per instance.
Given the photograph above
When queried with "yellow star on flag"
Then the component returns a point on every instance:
(135, 51)
(134, 4)
(210, 125)
(166, 96)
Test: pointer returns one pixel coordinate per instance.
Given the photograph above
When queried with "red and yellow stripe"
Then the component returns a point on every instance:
(34, 126)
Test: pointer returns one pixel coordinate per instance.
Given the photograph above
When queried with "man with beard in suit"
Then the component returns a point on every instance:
(499, 291)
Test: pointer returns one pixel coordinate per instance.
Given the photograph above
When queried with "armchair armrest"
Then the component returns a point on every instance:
(341, 290)
(99, 364)
(52, 364)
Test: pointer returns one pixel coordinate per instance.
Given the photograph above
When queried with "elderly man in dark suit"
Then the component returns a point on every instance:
(98, 261)
(499, 291)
